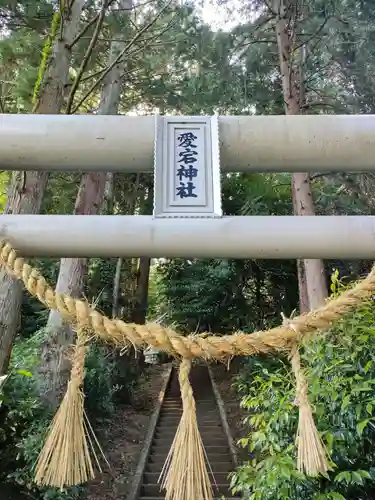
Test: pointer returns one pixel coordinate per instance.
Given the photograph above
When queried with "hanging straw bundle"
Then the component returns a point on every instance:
(184, 475)
(65, 458)
(311, 452)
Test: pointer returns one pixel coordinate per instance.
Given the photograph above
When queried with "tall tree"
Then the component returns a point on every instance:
(140, 302)
(55, 365)
(27, 188)
(311, 275)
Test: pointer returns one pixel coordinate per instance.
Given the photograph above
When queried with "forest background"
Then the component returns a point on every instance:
(256, 57)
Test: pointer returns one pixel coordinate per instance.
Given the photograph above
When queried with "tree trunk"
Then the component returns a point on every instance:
(302, 287)
(301, 272)
(126, 269)
(26, 189)
(312, 283)
(116, 289)
(55, 364)
(72, 271)
(108, 194)
(139, 312)
(140, 302)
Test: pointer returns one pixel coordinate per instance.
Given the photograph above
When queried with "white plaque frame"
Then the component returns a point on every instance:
(208, 199)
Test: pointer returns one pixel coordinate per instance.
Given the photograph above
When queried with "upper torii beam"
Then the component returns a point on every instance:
(247, 143)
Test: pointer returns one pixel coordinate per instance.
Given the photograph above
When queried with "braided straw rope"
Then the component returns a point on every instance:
(65, 459)
(212, 347)
(184, 475)
(54, 467)
(311, 452)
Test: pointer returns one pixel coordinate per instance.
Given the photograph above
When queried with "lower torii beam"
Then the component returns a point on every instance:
(257, 237)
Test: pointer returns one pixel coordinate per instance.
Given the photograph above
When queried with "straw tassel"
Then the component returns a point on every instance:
(311, 452)
(65, 458)
(184, 475)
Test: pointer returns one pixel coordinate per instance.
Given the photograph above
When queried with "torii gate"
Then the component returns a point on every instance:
(244, 143)
(186, 153)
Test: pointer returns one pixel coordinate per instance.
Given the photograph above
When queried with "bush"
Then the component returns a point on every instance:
(24, 421)
(23, 424)
(109, 375)
(340, 368)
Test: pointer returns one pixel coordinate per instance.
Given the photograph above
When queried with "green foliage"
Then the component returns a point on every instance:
(19, 404)
(182, 66)
(340, 368)
(24, 420)
(195, 292)
(4, 178)
(22, 27)
(225, 295)
(46, 54)
(99, 287)
(109, 375)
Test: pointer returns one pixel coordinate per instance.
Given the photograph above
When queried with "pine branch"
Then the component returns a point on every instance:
(314, 35)
(88, 26)
(121, 55)
(84, 30)
(88, 77)
(87, 56)
(125, 9)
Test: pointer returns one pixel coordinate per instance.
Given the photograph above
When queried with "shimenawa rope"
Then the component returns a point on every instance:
(57, 461)
(65, 459)
(184, 475)
(311, 452)
(210, 347)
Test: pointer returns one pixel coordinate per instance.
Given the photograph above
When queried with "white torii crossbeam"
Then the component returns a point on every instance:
(247, 143)
(261, 237)
(232, 143)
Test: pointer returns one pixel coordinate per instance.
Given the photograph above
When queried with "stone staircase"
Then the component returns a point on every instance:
(213, 436)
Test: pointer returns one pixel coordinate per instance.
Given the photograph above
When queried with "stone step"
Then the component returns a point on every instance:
(219, 478)
(226, 465)
(211, 449)
(155, 489)
(199, 409)
(218, 463)
(215, 498)
(178, 415)
(202, 422)
(208, 439)
(201, 417)
(165, 425)
(212, 457)
(199, 403)
(213, 436)
(214, 433)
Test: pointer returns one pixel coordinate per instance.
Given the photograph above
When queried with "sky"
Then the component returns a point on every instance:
(216, 16)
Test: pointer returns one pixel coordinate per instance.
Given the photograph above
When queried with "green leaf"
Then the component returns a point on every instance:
(343, 476)
(365, 474)
(361, 426)
(24, 372)
(345, 402)
(368, 366)
(334, 495)
(357, 478)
